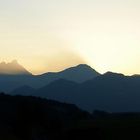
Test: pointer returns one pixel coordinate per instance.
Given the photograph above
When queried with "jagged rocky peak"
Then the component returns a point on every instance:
(12, 68)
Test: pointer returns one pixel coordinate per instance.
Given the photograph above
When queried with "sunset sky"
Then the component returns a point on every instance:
(50, 35)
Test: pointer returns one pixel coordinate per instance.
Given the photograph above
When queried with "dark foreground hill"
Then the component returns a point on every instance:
(31, 118)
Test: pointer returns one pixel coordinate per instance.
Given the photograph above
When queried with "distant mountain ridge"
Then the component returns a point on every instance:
(79, 73)
(10, 81)
(111, 92)
(26, 90)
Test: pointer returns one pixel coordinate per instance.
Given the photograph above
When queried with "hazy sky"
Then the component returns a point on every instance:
(50, 35)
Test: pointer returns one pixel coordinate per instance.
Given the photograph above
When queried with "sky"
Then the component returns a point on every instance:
(51, 35)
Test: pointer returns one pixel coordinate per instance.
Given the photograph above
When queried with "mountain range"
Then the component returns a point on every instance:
(111, 92)
(80, 85)
(13, 75)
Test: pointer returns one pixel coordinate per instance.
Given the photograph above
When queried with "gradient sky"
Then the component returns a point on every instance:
(50, 35)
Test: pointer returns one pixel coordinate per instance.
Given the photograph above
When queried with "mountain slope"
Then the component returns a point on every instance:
(79, 74)
(24, 90)
(110, 92)
(62, 90)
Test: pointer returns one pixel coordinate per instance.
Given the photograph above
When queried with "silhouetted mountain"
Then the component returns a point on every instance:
(111, 92)
(78, 74)
(11, 82)
(24, 90)
(62, 90)
(12, 68)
